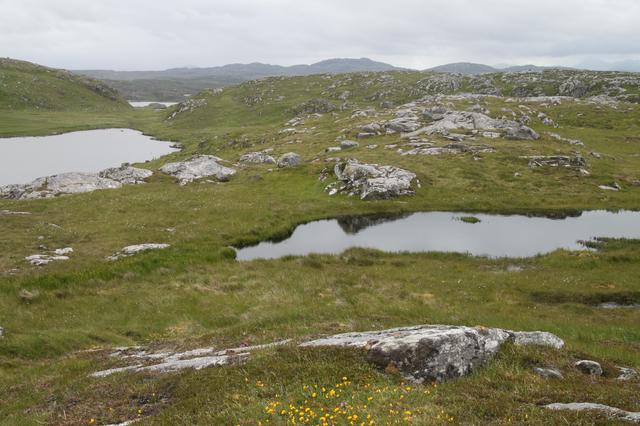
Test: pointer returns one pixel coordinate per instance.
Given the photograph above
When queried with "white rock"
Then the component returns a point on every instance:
(633, 417)
(197, 167)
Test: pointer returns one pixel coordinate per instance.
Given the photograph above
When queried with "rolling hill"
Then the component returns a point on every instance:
(24, 85)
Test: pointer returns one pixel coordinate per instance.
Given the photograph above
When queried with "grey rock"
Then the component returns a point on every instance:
(333, 149)
(548, 373)
(627, 374)
(557, 137)
(611, 187)
(371, 181)
(259, 157)
(538, 338)
(137, 248)
(450, 149)
(290, 159)
(425, 353)
(372, 128)
(52, 186)
(126, 175)
(347, 144)
(1, 332)
(198, 167)
(44, 259)
(12, 213)
(197, 359)
(575, 162)
(589, 367)
(633, 417)
(522, 133)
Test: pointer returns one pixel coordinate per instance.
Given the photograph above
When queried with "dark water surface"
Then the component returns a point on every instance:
(24, 159)
(494, 235)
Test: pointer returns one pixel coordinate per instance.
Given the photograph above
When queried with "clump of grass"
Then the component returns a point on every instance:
(469, 219)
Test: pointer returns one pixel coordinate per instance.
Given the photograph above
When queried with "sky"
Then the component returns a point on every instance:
(160, 34)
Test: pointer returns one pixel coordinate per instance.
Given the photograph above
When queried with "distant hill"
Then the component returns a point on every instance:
(464, 68)
(173, 84)
(469, 68)
(24, 85)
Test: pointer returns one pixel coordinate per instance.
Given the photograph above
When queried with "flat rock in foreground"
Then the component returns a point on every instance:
(420, 353)
(434, 352)
(633, 417)
(197, 167)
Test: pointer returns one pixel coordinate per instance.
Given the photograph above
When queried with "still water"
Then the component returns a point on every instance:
(494, 235)
(24, 159)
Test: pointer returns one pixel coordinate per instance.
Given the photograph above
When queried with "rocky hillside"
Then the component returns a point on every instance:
(273, 99)
(24, 85)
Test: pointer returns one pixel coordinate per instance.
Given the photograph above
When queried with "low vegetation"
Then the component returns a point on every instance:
(62, 321)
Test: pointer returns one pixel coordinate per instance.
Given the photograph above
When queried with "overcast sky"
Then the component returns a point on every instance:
(159, 34)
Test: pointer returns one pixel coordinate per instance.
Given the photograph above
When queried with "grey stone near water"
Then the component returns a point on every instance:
(290, 159)
(371, 181)
(126, 175)
(589, 367)
(633, 417)
(198, 167)
(52, 186)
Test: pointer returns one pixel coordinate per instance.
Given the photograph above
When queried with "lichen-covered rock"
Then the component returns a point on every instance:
(575, 162)
(198, 167)
(52, 186)
(633, 417)
(371, 181)
(589, 367)
(428, 352)
(44, 259)
(347, 144)
(259, 157)
(137, 248)
(290, 159)
(126, 175)
(548, 373)
(539, 338)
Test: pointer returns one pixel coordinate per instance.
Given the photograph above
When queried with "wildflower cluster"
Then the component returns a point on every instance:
(346, 403)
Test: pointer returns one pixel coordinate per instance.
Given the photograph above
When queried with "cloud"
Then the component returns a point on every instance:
(145, 34)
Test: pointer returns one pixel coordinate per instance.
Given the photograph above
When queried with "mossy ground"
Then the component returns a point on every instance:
(194, 294)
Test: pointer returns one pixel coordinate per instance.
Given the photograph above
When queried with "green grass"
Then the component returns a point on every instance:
(194, 293)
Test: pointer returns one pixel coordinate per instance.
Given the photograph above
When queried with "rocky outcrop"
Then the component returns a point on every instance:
(444, 120)
(138, 248)
(371, 181)
(197, 167)
(75, 183)
(575, 162)
(259, 157)
(290, 159)
(424, 353)
(52, 186)
(616, 413)
(434, 352)
(126, 175)
(314, 106)
(589, 367)
(55, 256)
(548, 373)
(167, 361)
(451, 149)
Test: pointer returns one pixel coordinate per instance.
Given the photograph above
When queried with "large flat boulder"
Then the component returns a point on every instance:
(434, 352)
(52, 186)
(197, 167)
